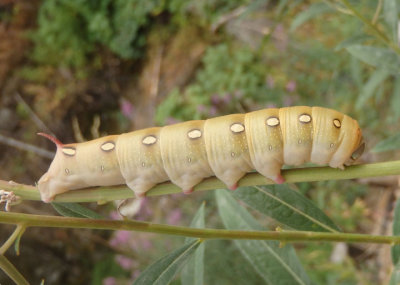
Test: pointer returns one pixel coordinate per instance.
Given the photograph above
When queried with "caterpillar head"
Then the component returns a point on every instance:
(80, 165)
(56, 180)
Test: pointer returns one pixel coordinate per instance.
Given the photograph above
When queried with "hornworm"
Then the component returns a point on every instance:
(186, 153)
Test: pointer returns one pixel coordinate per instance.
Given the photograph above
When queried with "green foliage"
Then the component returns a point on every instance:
(69, 31)
(274, 264)
(107, 267)
(228, 78)
(287, 207)
(75, 210)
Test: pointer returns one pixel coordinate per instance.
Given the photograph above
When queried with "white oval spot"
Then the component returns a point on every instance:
(66, 171)
(270, 147)
(149, 140)
(337, 123)
(102, 168)
(305, 118)
(69, 151)
(108, 146)
(299, 141)
(331, 145)
(143, 164)
(272, 121)
(189, 159)
(194, 134)
(232, 154)
(237, 127)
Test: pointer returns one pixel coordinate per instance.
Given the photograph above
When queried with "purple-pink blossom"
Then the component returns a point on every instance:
(127, 108)
(120, 238)
(125, 262)
(174, 217)
(109, 281)
(291, 86)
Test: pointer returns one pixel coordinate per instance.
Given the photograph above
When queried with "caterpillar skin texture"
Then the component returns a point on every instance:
(186, 153)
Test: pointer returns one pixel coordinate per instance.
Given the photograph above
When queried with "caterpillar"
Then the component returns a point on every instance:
(186, 153)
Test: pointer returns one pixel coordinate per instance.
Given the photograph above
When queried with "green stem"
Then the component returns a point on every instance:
(104, 194)
(17, 233)
(11, 271)
(132, 225)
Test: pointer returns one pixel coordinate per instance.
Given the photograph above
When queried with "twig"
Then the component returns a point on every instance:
(38, 122)
(26, 147)
(104, 194)
(206, 233)
(11, 271)
(227, 17)
(377, 12)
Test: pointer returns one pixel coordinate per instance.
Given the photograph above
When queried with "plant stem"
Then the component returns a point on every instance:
(381, 36)
(18, 232)
(11, 271)
(132, 225)
(105, 194)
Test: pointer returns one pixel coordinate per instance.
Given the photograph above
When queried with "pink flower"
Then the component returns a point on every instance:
(120, 238)
(215, 99)
(109, 281)
(213, 111)
(115, 216)
(124, 262)
(201, 108)
(291, 86)
(127, 108)
(174, 217)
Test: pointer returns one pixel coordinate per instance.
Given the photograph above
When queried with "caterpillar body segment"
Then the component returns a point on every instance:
(226, 146)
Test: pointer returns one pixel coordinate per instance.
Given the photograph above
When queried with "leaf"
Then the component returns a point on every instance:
(369, 88)
(390, 16)
(287, 207)
(193, 271)
(378, 57)
(226, 265)
(396, 232)
(164, 270)
(395, 278)
(75, 210)
(395, 100)
(313, 11)
(274, 264)
(391, 143)
(356, 39)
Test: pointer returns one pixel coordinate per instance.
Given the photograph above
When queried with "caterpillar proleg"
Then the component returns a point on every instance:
(186, 153)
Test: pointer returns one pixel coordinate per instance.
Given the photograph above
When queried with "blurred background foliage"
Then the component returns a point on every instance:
(83, 69)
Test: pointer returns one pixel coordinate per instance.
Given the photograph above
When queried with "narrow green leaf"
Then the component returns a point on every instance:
(396, 232)
(390, 16)
(369, 88)
(356, 72)
(275, 265)
(395, 101)
(193, 271)
(378, 57)
(356, 39)
(287, 207)
(164, 270)
(75, 210)
(313, 11)
(391, 143)
(395, 278)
